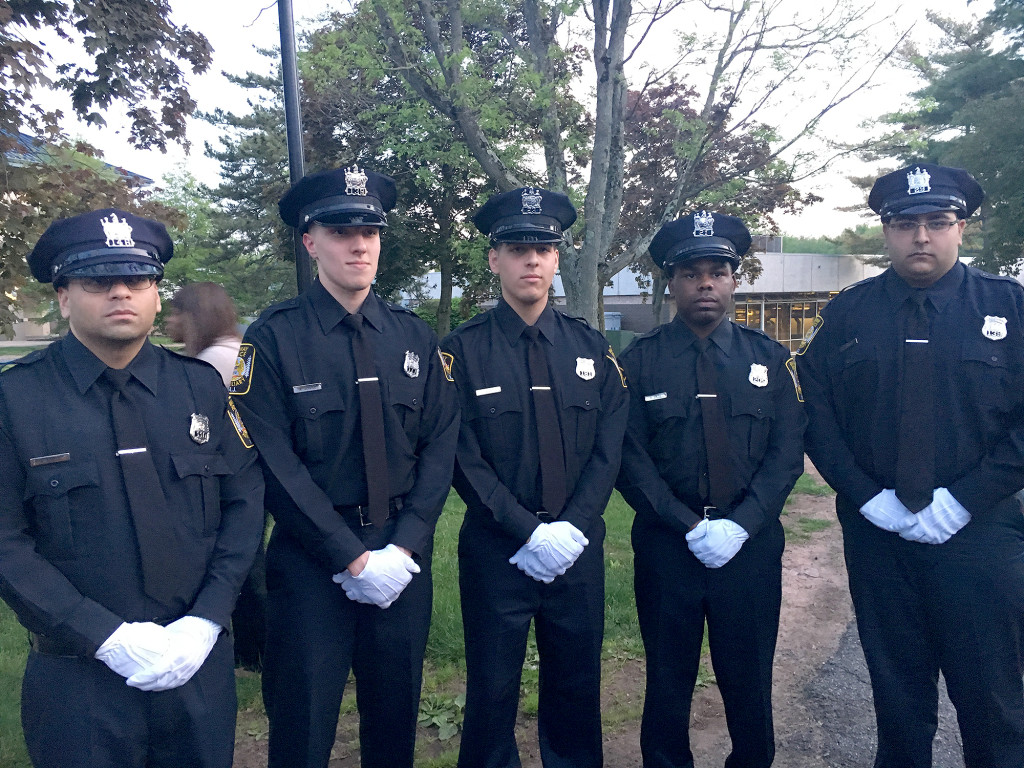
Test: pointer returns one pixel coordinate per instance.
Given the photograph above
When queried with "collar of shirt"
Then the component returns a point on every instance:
(86, 368)
(512, 325)
(683, 338)
(940, 293)
(329, 312)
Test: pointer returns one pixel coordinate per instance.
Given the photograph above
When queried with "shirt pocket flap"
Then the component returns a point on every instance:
(494, 404)
(405, 393)
(59, 479)
(581, 398)
(987, 352)
(313, 405)
(758, 407)
(202, 464)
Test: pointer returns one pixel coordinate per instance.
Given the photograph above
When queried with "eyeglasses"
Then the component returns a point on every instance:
(105, 283)
(905, 227)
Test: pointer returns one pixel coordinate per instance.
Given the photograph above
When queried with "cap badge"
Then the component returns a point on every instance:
(994, 328)
(585, 368)
(703, 224)
(918, 181)
(531, 201)
(118, 232)
(758, 375)
(355, 181)
(412, 364)
(199, 429)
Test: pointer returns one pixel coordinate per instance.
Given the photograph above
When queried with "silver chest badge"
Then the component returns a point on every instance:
(199, 429)
(994, 328)
(758, 375)
(412, 364)
(585, 368)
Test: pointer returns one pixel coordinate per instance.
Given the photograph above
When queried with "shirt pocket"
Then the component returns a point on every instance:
(985, 373)
(201, 473)
(51, 490)
(752, 418)
(316, 416)
(406, 399)
(581, 409)
(668, 416)
(498, 421)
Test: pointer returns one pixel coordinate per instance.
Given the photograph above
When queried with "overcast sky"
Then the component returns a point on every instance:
(237, 29)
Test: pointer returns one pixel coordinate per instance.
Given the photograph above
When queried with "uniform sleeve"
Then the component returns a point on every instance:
(590, 496)
(824, 440)
(639, 481)
(475, 479)
(299, 504)
(241, 524)
(1001, 472)
(435, 457)
(41, 596)
(783, 461)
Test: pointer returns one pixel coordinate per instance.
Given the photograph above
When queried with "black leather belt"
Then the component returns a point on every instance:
(360, 514)
(546, 517)
(48, 646)
(714, 513)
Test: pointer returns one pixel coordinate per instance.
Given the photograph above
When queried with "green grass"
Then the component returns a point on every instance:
(808, 485)
(13, 651)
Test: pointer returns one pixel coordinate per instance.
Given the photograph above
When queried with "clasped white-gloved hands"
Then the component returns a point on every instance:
(936, 523)
(550, 551)
(888, 512)
(189, 641)
(134, 647)
(387, 572)
(716, 542)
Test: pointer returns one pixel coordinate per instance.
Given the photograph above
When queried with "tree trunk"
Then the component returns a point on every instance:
(447, 261)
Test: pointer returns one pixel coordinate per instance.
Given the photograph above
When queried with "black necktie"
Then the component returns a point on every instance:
(549, 433)
(718, 487)
(915, 459)
(371, 419)
(159, 547)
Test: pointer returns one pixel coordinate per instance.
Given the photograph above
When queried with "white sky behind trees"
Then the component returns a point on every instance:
(237, 29)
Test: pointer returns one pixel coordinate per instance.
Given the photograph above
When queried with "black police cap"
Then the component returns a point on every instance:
(700, 235)
(526, 215)
(924, 188)
(344, 197)
(105, 242)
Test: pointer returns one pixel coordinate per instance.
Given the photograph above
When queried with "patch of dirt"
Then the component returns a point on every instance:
(816, 611)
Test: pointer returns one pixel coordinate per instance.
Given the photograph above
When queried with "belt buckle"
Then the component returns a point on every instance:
(545, 517)
(363, 521)
(709, 510)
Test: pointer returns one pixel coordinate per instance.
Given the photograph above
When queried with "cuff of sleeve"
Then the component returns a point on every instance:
(342, 548)
(972, 502)
(412, 533)
(98, 628)
(523, 525)
(749, 516)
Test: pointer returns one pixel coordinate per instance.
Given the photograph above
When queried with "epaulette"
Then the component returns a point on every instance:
(865, 281)
(651, 333)
(399, 308)
(34, 356)
(273, 309)
(990, 276)
(761, 335)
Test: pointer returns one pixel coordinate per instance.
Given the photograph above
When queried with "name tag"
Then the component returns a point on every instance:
(488, 391)
(299, 388)
(659, 396)
(42, 461)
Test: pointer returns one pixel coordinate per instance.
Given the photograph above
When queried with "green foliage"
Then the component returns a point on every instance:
(427, 310)
(806, 484)
(824, 245)
(443, 712)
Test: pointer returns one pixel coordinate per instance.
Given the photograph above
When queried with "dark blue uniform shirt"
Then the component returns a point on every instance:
(69, 560)
(850, 372)
(298, 395)
(498, 467)
(664, 453)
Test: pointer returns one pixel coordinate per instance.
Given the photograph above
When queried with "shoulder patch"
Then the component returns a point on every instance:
(808, 338)
(241, 376)
(236, 421)
(791, 367)
(615, 362)
(446, 363)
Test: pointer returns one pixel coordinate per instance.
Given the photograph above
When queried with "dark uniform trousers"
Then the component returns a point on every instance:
(956, 607)
(297, 392)
(498, 476)
(663, 460)
(78, 576)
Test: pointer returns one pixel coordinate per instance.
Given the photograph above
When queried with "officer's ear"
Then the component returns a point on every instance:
(63, 297)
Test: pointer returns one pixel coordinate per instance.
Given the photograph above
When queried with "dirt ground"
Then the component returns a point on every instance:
(822, 705)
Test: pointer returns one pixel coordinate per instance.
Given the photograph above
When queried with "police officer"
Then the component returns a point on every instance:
(348, 401)
(130, 511)
(912, 382)
(713, 447)
(543, 412)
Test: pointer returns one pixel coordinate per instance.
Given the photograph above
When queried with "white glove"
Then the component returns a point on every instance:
(716, 542)
(936, 523)
(527, 562)
(387, 572)
(557, 545)
(887, 512)
(191, 640)
(133, 647)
